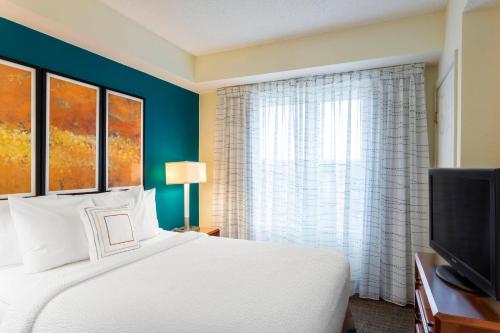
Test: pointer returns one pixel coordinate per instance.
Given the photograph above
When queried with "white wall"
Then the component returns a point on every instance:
(96, 27)
(480, 96)
(453, 34)
(208, 103)
(415, 35)
(92, 25)
(451, 59)
(472, 44)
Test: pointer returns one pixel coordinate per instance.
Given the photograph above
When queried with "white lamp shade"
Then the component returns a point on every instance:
(185, 172)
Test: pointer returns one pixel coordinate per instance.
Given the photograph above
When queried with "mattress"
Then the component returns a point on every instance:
(187, 283)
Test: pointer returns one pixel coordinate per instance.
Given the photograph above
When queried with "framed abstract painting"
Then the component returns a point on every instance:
(18, 106)
(124, 140)
(72, 135)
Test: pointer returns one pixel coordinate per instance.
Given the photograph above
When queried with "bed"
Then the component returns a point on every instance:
(100, 263)
(183, 283)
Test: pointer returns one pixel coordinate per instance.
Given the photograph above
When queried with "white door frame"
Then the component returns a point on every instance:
(451, 69)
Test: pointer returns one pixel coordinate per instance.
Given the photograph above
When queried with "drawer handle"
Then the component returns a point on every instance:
(421, 308)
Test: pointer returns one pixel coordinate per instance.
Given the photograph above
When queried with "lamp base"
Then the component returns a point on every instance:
(191, 228)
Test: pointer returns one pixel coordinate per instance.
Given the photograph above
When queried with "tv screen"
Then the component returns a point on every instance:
(461, 219)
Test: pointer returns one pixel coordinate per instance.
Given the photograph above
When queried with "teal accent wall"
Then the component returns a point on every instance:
(171, 112)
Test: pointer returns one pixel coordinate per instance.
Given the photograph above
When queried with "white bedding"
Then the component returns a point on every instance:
(185, 283)
(13, 280)
(3, 309)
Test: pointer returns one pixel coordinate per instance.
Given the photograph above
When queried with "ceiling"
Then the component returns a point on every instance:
(207, 26)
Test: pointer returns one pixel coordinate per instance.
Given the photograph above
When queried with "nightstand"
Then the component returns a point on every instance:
(211, 231)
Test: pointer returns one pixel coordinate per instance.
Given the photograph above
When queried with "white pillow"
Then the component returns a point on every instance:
(50, 231)
(143, 218)
(151, 223)
(109, 231)
(9, 246)
(119, 198)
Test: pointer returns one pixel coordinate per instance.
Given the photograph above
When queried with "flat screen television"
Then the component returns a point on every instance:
(465, 226)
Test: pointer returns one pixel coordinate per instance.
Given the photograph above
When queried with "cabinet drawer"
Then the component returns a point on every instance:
(424, 310)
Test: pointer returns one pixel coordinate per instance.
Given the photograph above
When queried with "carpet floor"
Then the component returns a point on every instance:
(381, 317)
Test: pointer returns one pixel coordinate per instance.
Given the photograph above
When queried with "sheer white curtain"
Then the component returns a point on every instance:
(337, 162)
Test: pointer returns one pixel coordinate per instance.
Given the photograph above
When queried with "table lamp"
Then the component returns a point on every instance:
(185, 173)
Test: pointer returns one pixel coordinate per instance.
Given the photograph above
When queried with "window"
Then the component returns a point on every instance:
(339, 132)
(276, 133)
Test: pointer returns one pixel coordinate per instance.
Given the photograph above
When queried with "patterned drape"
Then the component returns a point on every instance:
(338, 162)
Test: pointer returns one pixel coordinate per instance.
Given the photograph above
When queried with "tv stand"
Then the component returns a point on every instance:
(443, 308)
(450, 275)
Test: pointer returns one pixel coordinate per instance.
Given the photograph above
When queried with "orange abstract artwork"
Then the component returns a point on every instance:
(16, 160)
(72, 146)
(124, 116)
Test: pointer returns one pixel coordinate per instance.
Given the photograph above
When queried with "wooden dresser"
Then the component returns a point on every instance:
(442, 308)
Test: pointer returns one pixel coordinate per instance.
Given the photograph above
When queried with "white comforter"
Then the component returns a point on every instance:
(192, 283)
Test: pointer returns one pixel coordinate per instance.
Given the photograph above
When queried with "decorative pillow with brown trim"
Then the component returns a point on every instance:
(109, 231)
